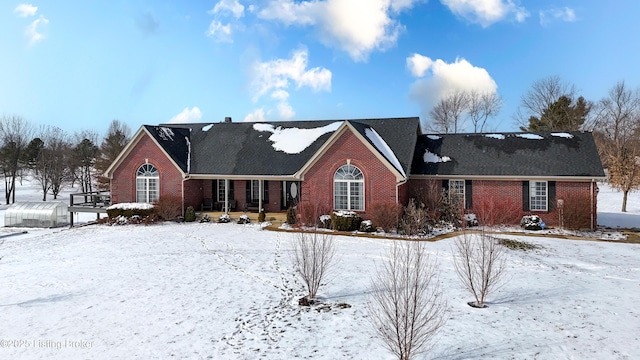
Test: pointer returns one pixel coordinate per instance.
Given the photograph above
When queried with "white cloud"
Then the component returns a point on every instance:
(448, 77)
(279, 74)
(280, 95)
(228, 6)
(358, 27)
(256, 116)
(486, 12)
(285, 111)
(25, 10)
(219, 32)
(187, 115)
(565, 14)
(418, 64)
(33, 30)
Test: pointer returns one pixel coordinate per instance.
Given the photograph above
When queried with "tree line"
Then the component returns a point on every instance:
(552, 104)
(55, 159)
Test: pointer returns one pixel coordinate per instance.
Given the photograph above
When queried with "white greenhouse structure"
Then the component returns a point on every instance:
(39, 214)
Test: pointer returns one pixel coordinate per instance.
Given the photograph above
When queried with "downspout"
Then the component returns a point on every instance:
(402, 182)
(185, 178)
(592, 214)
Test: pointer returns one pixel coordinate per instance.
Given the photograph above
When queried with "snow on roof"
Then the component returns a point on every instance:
(563, 135)
(165, 133)
(430, 157)
(294, 140)
(188, 154)
(207, 127)
(434, 137)
(496, 136)
(131, 206)
(530, 136)
(384, 148)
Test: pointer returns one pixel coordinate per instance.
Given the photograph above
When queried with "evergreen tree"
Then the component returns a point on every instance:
(115, 141)
(561, 115)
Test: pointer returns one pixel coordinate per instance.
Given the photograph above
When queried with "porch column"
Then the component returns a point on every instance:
(226, 196)
(260, 186)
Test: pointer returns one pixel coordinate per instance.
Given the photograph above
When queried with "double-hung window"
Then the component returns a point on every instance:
(456, 188)
(538, 195)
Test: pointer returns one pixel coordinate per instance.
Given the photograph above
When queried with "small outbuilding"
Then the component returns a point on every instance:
(38, 214)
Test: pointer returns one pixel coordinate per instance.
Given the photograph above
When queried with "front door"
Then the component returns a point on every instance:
(290, 194)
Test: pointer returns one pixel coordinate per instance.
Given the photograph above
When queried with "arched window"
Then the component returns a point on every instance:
(147, 184)
(348, 188)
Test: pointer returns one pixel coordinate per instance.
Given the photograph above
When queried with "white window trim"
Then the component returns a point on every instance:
(220, 187)
(147, 178)
(463, 194)
(348, 183)
(532, 194)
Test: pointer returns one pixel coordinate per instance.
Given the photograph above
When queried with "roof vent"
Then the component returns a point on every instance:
(227, 119)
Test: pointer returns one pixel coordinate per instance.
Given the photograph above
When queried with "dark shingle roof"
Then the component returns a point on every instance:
(239, 149)
(175, 142)
(509, 154)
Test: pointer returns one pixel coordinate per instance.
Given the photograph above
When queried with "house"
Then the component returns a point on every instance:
(351, 164)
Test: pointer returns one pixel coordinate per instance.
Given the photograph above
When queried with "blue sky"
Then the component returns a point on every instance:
(79, 64)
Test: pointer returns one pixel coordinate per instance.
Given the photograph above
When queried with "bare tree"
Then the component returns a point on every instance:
(406, 308)
(83, 157)
(446, 116)
(313, 253)
(480, 264)
(617, 133)
(15, 134)
(481, 107)
(542, 95)
(51, 168)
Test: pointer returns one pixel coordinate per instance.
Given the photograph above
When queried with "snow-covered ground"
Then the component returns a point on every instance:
(227, 291)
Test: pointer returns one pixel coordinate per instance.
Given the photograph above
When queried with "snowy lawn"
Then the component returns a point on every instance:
(227, 291)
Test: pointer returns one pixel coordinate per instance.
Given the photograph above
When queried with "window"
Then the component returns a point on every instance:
(538, 195)
(456, 188)
(147, 184)
(255, 191)
(348, 188)
(221, 189)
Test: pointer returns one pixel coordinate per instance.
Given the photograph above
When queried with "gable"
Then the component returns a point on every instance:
(570, 154)
(141, 147)
(282, 149)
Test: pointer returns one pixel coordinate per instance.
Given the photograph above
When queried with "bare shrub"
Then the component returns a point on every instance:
(414, 220)
(491, 212)
(406, 308)
(168, 207)
(575, 213)
(309, 213)
(312, 256)
(430, 195)
(452, 209)
(480, 264)
(385, 214)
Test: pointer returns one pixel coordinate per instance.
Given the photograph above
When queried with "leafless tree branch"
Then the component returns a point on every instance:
(406, 308)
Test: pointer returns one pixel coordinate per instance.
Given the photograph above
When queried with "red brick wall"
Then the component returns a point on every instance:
(507, 195)
(379, 181)
(123, 183)
(275, 196)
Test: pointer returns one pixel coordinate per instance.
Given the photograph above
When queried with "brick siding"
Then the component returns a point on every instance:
(379, 181)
